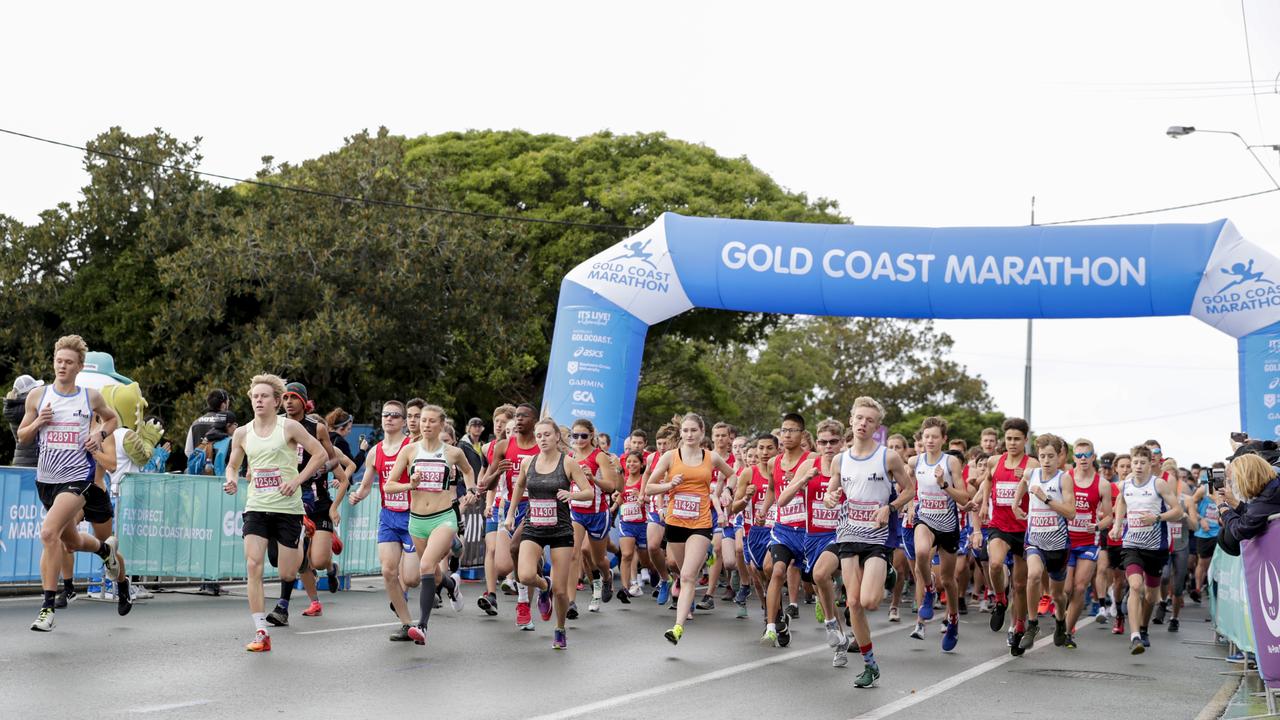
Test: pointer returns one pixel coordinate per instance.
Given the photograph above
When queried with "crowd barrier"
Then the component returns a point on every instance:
(1228, 601)
(181, 526)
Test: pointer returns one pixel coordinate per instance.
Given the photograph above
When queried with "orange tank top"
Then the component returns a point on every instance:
(689, 505)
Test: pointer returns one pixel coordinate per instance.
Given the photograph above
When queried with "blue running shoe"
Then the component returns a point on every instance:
(664, 592)
(744, 592)
(950, 635)
(926, 607)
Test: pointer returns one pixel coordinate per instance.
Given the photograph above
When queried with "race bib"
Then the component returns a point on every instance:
(792, 513)
(1175, 531)
(583, 505)
(1211, 513)
(686, 506)
(861, 513)
(61, 436)
(300, 454)
(631, 512)
(429, 477)
(397, 501)
(542, 512)
(266, 480)
(825, 518)
(1080, 523)
(1139, 520)
(1004, 493)
(932, 504)
(1043, 520)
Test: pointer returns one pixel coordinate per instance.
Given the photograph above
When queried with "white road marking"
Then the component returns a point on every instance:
(696, 680)
(171, 706)
(923, 694)
(344, 629)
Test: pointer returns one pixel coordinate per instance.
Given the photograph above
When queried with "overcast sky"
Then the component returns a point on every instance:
(911, 114)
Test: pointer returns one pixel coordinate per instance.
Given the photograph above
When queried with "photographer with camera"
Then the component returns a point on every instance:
(1250, 493)
(1208, 480)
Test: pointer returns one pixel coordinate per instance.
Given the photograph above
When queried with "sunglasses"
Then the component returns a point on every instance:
(1083, 456)
(580, 436)
(832, 441)
(392, 415)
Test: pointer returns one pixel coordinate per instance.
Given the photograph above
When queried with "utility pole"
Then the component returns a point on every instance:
(1026, 378)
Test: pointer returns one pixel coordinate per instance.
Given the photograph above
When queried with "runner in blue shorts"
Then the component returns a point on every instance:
(396, 551)
(787, 543)
(632, 528)
(753, 485)
(590, 518)
(810, 484)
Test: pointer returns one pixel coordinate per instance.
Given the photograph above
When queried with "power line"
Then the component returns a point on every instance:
(1163, 209)
(324, 194)
(1244, 20)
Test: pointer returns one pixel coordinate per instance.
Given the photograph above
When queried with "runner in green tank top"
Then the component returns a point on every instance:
(274, 508)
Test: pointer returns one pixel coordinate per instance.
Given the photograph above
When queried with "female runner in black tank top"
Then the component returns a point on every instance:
(548, 479)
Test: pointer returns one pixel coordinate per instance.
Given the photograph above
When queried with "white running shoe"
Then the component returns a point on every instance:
(635, 590)
(44, 621)
(918, 632)
(594, 605)
(834, 636)
(455, 597)
(597, 590)
(842, 654)
(111, 563)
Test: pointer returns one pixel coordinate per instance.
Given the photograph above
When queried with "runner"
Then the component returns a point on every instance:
(631, 525)
(413, 418)
(1145, 504)
(684, 476)
(548, 477)
(322, 508)
(939, 492)
(488, 602)
(113, 459)
(1115, 557)
(512, 452)
(1207, 528)
(722, 443)
(811, 483)
(656, 508)
(591, 517)
(862, 485)
(58, 418)
(426, 469)
(274, 510)
(902, 566)
(1007, 530)
(1051, 506)
(396, 551)
(786, 541)
(1093, 504)
(753, 486)
(1174, 577)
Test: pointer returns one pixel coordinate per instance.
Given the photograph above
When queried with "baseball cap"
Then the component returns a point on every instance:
(297, 388)
(1105, 462)
(475, 421)
(25, 384)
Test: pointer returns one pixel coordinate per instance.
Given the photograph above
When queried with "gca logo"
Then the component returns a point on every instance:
(1269, 596)
(584, 396)
(231, 524)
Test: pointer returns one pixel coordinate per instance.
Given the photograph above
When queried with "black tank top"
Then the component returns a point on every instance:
(318, 485)
(548, 516)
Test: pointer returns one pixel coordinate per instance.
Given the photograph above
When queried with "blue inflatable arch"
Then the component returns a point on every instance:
(608, 302)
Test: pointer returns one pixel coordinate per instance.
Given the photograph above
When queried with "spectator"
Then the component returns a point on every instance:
(340, 422)
(14, 408)
(475, 435)
(159, 458)
(217, 414)
(1245, 516)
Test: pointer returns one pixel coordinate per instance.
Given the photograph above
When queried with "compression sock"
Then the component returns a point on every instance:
(426, 601)
(286, 592)
(68, 586)
(103, 551)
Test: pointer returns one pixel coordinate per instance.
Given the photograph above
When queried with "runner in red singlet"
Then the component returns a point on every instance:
(512, 452)
(1092, 506)
(488, 602)
(656, 509)
(1007, 531)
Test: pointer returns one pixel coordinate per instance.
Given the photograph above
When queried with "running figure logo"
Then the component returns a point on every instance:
(638, 252)
(1242, 273)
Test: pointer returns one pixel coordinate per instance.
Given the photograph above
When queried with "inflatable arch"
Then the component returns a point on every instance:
(678, 263)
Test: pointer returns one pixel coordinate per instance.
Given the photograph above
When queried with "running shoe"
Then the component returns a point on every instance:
(841, 658)
(1195, 596)
(1173, 625)
(817, 613)
(1045, 603)
(664, 592)
(675, 602)
(63, 598)
(926, 606)
(124, 598)
(984, 606)
(337, 544)
(997, 616)
(44, 621)
(834, 636)
(1162, 608)
(1060, 632)
(784, 629)
(524, 618)
(559, 639)
(729, 594)
(313, 610)
(488, 602)
(674, 634)
(1145, 637)
(1029, 637)
(606, 588)
(544, 605)
(964, 606)
(635, 590)
(111, 563)
(744, 592)
(437, 603)
(870, 673)
(1103, 617)
(1015, 648)
(418, 634)
(401, 635)
(331, 575)
(950, 635)
(890, 579)
(455, 595)
(1135, 646)
(742, 610)
(793, 610)
(1118, 627)
(768, 639)
(706, 603)
(1094, 608)
(624, 597)
(597, 589)
(918, 632)
(261, 642)
(279, 616)
(594, 605)
(893, 614)
(508, 587)
(571, 614)
(1071, 642)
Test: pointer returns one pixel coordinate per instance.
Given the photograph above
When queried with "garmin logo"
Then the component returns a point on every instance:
(1050, 270)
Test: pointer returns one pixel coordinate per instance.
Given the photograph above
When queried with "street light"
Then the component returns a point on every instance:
(1177, 131)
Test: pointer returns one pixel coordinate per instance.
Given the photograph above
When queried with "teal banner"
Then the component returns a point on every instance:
(185, 526)
(1228, 603)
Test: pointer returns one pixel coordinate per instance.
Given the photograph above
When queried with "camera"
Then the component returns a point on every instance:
(1217, 478)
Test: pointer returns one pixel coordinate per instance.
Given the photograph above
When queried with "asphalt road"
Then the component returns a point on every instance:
(182, 655)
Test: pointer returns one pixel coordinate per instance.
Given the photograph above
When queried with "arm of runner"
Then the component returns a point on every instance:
(105, 456)
(294, 431)
(766, 504)
(348, 468)
(333, 461)
(1106, 513)
(1018, 493)
(831, 498)
(1118, 517)
(898, 471)
(235, 459)
(517, 491)
(579, 478)
(459, 461)
(1066, 507)
(799, 479)
(395, 483)
(959, 491)
(33, 419)
(652, 483)
(110, 421)
(740, 492)
(366, 484)
(608, 480)
(1170, 496)
(495, 470)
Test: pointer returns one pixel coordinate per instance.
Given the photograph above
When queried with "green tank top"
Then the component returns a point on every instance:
(271, 464)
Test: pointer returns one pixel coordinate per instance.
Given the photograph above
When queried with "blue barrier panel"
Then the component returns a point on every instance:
(1228, 603)
(21, 516)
